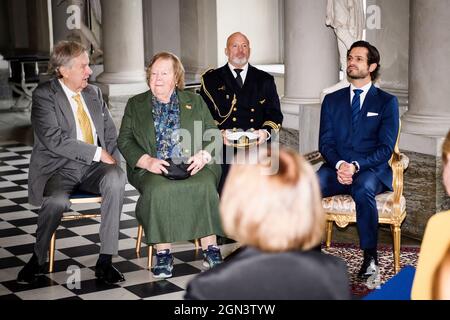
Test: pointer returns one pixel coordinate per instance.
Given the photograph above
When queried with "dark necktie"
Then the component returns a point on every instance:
(356, 107)
(239, 78)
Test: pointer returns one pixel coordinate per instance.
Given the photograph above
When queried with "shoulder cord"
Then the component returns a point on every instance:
(233, 103)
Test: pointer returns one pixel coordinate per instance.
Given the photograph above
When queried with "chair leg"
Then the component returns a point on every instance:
(138, 241)
(197, 244)
(51, 253)
(396, 235)
(149, 259)
(329, 232)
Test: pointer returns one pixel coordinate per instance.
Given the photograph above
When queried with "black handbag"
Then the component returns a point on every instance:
(177, 169)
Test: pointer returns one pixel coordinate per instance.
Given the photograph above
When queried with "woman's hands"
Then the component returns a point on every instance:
(153, 165)
(198, 161)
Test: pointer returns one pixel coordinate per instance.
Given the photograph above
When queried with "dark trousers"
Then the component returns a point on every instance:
(365, 187)
(100, 178)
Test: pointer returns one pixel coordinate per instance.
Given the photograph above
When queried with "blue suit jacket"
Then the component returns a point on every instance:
(372, 144)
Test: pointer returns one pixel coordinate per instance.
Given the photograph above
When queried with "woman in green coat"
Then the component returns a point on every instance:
(168, 122)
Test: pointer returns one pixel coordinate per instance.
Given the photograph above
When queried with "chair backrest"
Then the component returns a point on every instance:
(396, 153)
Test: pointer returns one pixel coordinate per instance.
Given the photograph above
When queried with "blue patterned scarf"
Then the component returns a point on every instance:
(166, 117)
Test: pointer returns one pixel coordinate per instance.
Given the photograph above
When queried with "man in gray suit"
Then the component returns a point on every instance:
(75, 148)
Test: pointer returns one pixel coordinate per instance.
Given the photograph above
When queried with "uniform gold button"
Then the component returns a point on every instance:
(253, 110)
(234, 119)
(186, 151)
(235, 109)
(251, 120)
(234, 129)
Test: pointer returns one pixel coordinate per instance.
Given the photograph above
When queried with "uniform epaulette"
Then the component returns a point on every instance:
(208, 70)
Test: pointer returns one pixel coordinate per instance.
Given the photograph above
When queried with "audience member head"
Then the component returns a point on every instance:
(371, 56)
(446, 163)
(277, 212)
(237, 50)
(69, 61)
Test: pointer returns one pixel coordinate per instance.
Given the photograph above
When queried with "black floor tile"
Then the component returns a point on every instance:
(79, 223)
(184, 269)
(21, 249)
(9, 297)
(12, 208)
(11, 232)
(41, 282)
(131, 253)
(96, 237)
(80, 250)
(151, 289)
(10, 262)
(93, 285)
(20, 200)
(63, 265)
(24, 222)
(126, 224)
(189, 255)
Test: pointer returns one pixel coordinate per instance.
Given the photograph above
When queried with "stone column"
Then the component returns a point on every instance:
(387, 28)
(311, 64)
(428, 118)
(123, 54)
(123, 43)
(429, 108)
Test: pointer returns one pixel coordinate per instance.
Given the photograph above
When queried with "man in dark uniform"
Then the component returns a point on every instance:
(241, 97)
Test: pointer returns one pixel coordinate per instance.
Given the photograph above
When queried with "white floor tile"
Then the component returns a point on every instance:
(15, 194)
(113, 294)
(72, 242)
(16, 240)
(129, 207)
(47, 293)
(16, 177)
(179, 295)
(24, 148)
(5, 253)
(16, 215)
(17, 162)
(4, 290)
(84, 230)
(7, 154)
(9, 274)
(183, 281)
(5, 184)
(6, 203)
(5, 225)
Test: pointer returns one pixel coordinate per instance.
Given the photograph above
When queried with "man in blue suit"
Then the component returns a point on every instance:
(358, 131)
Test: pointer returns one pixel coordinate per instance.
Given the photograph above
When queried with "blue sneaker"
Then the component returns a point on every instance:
(211, 257)
(164, 264)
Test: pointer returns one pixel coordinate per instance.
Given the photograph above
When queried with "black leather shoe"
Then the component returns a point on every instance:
(108, 273)
(30, 271)
(368, 267)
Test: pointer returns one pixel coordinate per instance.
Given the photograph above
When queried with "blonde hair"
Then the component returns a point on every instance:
(62, 55)
(276, 212)
(177, 67)
(446, 149)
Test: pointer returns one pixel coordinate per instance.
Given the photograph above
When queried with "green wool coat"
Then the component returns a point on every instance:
(172, 210)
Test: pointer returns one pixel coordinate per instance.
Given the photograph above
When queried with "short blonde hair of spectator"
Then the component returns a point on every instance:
(446, 149)
(273, 213)
(177, 67)
(62, 55)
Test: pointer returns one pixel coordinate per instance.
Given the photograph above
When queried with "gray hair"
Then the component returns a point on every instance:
(62, 55)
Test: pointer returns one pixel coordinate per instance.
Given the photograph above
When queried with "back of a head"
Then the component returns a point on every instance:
(273, 212)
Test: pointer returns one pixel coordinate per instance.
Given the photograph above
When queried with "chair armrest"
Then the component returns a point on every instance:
(397, 181)
(313, 157)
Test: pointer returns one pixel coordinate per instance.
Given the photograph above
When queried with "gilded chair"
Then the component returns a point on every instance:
(391, 205)
(76, 198)
(150, 247)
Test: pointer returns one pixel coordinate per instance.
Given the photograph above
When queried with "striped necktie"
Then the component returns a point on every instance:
(356, 108)
(83, 121)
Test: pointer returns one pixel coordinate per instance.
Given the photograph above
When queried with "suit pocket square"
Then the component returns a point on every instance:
(372, 114)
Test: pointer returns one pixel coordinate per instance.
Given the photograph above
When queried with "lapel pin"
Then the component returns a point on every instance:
(262, 101)
(228, 97)
(221, 88)
(188, 106)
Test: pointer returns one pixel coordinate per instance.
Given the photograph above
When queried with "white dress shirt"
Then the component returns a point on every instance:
(362, 97)
(243, 72)
(74, 106)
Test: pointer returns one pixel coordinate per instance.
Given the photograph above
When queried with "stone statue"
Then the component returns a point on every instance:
(84, 34)
(347, 19)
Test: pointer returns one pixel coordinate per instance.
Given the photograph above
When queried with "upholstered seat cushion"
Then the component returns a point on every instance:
(344, 204)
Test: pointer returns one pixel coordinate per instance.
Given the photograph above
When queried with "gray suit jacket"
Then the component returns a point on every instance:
(55, 138)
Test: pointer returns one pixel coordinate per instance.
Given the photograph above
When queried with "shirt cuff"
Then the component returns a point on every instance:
(339, 164)
(356, 164)
(98, 154)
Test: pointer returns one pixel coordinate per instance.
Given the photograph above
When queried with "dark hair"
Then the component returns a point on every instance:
(373, 56)
(62, 55)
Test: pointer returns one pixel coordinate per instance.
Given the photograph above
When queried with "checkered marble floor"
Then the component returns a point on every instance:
(77, 247)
